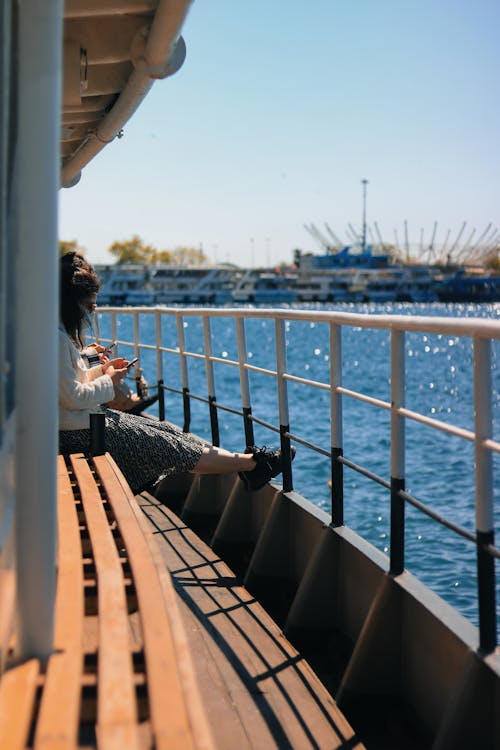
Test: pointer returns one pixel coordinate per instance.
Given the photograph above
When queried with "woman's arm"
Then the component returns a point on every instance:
(76, 391)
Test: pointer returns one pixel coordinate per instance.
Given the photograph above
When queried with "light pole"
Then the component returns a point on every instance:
(252, 252)
(268, 254)
(363, 238)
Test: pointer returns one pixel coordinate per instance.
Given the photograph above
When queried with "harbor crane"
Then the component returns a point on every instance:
(319, 237)
(354, 234)
(334, 237)
(431, 249)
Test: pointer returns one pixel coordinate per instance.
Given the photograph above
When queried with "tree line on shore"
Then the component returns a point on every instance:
(135, 250)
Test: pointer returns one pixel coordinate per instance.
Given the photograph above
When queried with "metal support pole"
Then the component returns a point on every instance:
(397, 452)
(283, 405)
(159, 354)
(363, 236)
(244, 383)
(184, 373)
(336, 429)
(136, 335)
(214, 419)
(484, 495)
(114, 335)
(37, 168)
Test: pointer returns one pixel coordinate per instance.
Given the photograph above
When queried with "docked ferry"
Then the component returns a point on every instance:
(198, 614)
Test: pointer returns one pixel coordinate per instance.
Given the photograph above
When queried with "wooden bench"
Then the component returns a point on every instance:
(153, 635)
(120, 676)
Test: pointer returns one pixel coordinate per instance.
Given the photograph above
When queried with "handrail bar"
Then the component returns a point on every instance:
(483, 328)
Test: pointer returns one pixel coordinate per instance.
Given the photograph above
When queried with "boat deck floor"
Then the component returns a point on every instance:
(257, 690)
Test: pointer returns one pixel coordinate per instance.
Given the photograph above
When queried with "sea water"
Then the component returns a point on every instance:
(439, 467)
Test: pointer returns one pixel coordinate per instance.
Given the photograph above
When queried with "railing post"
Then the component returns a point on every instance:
(244, 383)
(336, 429)
(214, 420)
(136, 333)
(158, 340)
(484, 495)
(161, 401)
(397, 452)
(186, 403)
(97, 434)
(283, 404)
(114, 336)
(159, 366)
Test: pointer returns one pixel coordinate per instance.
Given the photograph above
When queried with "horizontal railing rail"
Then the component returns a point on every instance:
(481, 332)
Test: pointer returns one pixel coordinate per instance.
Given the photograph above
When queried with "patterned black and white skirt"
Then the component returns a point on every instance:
(145, 450)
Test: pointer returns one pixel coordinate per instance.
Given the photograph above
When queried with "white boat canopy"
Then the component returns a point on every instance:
(113, 52)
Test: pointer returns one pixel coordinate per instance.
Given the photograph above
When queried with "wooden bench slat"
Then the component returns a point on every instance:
(58, 719)
(17, 700)
(278, 696)
(116, 702)
(169, 715)
(203, 736)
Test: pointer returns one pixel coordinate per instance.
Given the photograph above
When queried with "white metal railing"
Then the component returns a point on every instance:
(480, 331)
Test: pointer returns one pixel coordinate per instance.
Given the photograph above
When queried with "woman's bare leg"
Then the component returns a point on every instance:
(219, 461)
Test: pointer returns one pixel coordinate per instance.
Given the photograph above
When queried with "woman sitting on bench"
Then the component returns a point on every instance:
(145, 450)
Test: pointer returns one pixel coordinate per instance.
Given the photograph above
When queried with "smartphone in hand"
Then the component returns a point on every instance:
(110, 348)
(132, 362)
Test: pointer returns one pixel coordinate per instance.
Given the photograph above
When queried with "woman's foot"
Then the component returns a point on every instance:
(141, 404)
(268, 464)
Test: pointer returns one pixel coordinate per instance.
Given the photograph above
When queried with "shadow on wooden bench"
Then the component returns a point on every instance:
(120, 676)
(258, 690)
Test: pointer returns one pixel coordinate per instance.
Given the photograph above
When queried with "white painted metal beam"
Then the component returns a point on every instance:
(40, 51)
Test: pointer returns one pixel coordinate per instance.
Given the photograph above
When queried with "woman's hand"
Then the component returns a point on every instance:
(118, 363)
(115, 374)
(116, 369)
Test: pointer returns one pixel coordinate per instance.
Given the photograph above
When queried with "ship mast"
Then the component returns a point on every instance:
(363, 238)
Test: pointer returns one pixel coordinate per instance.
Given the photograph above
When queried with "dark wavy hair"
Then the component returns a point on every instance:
(78, 281)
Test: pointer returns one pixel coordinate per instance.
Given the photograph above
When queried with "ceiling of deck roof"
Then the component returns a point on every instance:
(102, 38)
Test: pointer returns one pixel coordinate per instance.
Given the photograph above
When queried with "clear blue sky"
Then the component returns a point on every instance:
(281, 108)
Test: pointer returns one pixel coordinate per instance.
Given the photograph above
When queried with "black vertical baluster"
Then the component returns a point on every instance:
(248, 426)
(337, 488)
(97, 434)
(397, 527)
(214, 421)
(287, 458)
(486, 592)
(161, 401)
(187, 409)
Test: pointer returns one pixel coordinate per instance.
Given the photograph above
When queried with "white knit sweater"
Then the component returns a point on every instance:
(81, 390)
